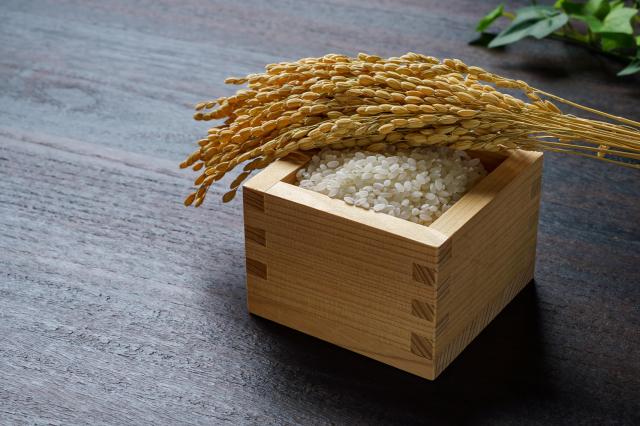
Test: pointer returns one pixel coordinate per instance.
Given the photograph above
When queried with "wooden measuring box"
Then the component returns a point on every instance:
(408, 295)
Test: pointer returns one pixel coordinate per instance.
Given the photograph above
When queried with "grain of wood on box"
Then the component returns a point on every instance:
(405, 294)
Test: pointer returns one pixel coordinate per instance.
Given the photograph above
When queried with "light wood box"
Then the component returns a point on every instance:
(405, 294)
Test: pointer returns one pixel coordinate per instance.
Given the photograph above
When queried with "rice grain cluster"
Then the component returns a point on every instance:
(371, 103)
(417, 185)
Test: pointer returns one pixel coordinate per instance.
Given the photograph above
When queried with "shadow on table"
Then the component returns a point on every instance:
(504, 364)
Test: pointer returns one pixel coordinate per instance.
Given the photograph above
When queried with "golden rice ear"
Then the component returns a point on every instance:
(198, 202)
(239, 179)
(190, 198)
(229, 196)
(342, 102)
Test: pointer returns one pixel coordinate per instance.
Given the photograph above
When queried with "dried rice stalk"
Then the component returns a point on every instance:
(408, 101)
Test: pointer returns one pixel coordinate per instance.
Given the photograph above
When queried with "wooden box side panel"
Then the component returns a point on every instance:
(492, 255)
(344, 282)
(413, 360)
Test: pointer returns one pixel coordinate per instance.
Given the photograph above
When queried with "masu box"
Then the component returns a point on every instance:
(408, 295)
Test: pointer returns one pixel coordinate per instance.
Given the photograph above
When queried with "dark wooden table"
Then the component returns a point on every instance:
(118, 305)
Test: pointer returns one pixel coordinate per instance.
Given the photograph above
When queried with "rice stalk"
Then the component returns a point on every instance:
(407, 101)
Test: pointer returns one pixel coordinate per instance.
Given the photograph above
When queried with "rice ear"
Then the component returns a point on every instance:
(412, 100)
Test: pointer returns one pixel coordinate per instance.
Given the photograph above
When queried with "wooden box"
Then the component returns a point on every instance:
(408, 295)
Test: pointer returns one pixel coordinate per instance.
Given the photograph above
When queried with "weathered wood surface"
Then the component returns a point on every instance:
(117, 305)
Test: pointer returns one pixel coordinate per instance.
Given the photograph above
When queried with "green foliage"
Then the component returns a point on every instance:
(601, 25)
(534, 21)
(616, 41)
(632, 68)
(488, 19)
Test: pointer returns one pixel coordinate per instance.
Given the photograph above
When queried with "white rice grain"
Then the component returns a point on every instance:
(417, 185)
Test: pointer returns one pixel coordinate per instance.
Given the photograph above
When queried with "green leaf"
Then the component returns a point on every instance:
(597, 8)
(569, 7)
(616, 4)
(489, 18)
(532, 21)
(619, 21)
(534, 12)
(594, 24)
(632, 68)
(617, 41)
(638, 40)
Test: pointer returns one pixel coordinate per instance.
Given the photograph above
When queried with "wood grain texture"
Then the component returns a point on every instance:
(493, 245)
(117, 305)
(339, 273)
(367, 281)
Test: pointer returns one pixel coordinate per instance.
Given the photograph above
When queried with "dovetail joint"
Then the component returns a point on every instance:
(424, 274)
(421, 346)
(257, 235)
(422, 310)
(253, 199)
(256, 268)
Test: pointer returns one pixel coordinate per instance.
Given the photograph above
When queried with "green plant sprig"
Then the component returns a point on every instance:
(603, 26)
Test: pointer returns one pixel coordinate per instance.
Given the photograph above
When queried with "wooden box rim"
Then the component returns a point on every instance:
(278, 180)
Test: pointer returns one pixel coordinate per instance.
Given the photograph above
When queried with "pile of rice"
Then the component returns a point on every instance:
(417, 185)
